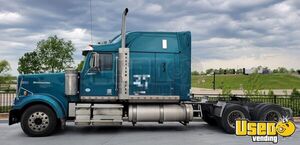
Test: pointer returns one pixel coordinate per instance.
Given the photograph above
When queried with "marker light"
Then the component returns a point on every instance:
(25, 93)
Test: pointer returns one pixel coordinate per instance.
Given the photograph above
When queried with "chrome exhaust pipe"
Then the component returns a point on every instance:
(123, 67)
(123, 30)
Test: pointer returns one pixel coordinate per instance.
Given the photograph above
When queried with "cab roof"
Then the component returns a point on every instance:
(147, 42)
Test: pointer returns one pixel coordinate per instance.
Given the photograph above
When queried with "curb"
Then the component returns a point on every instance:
(297, 119)
(3, 116)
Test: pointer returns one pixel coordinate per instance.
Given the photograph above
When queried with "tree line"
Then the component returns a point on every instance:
(5, 78)
(241, 70)
(51, 55)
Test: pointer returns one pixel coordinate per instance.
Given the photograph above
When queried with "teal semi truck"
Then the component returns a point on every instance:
(135, 77)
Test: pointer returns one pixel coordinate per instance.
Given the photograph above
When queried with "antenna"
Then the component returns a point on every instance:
(91, 21)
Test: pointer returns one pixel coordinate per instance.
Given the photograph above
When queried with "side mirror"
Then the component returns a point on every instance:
(94, 62)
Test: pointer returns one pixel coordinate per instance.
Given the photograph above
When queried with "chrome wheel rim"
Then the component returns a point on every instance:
(272, 116)
(38, 121)
(233, 116)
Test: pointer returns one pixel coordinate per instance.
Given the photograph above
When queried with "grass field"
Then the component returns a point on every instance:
(260, 81)
(4, 109)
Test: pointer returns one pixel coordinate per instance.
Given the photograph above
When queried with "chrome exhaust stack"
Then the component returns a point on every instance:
(123, 65)
(123, 29)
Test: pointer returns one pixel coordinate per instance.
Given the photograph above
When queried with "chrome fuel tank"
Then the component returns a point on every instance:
(160, 113)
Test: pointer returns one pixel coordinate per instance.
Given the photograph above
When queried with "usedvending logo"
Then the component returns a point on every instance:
(264, 131)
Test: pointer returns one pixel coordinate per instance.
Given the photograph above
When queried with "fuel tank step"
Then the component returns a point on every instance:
(98, 114)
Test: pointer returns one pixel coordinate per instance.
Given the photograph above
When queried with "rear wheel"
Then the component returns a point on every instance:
(231, 113)
(38, 120)
(257, 109)
(271, 112)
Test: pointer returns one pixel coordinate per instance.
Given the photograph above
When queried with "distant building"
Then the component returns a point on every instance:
(249, 71)
(266, 71)
(256, 70)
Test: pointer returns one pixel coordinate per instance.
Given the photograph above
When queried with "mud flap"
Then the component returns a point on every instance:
(219, 108)
(13, 117)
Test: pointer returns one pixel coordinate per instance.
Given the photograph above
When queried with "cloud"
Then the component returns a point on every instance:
(10, 17)
(77, 35)
(153, 9)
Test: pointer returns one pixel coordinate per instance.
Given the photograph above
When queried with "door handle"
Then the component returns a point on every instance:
(164, 67)
(116, 83)
(90, 74)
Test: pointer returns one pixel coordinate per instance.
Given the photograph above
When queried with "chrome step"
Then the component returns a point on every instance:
(107, 106)
(197, 119)
(82, 114)
(198, 113)
(98, 114)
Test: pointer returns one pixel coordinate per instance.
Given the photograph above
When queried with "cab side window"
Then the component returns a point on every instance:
(106, 61)
(101, 62)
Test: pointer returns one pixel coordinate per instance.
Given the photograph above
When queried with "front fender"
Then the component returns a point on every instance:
(23, 101)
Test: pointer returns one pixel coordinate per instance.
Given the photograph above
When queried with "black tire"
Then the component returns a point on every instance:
(256, 110)
(38, 120)
(227, 121)
(209, 120)
(271, 112)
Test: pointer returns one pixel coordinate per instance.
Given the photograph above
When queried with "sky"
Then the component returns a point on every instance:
(227, 34)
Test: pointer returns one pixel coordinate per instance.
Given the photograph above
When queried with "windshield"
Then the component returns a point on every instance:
(116, 39)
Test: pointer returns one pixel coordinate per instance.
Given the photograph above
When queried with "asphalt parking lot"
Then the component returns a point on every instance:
(141, 134)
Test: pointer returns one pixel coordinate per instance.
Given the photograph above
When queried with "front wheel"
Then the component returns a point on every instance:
(38, 120)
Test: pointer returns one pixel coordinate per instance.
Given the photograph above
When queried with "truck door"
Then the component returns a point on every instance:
(99, 82)
(142, 73)
(165, 73)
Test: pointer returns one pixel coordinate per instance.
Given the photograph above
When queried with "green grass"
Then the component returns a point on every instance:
(4, 109)
(261, 81)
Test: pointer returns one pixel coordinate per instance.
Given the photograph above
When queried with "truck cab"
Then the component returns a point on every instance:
(145, 80)
(151, 68)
